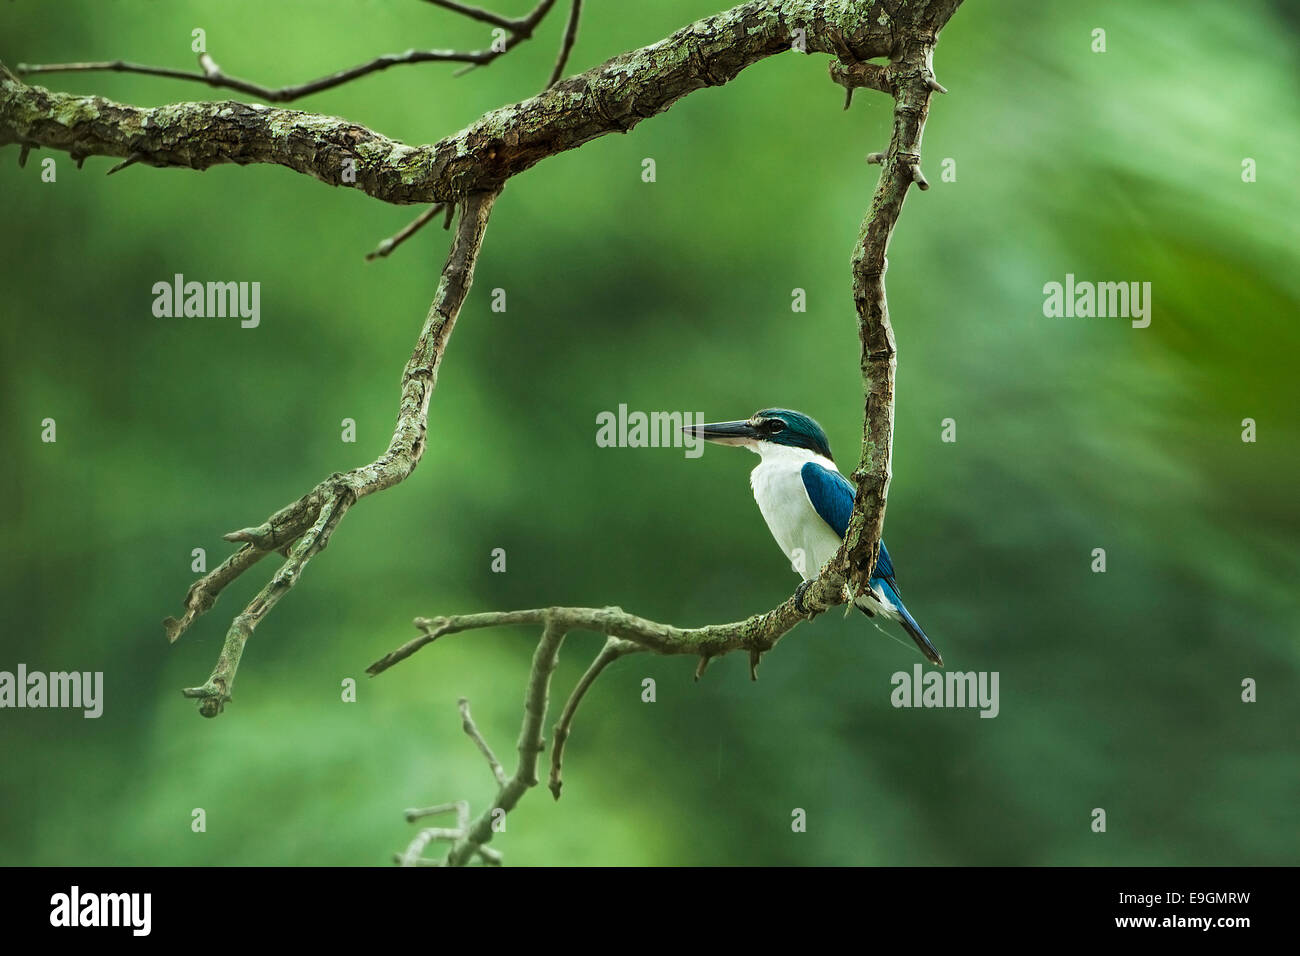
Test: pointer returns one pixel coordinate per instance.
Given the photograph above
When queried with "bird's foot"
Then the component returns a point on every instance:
(800, 593)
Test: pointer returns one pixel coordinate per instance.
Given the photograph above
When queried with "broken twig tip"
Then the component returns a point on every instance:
(129, 161)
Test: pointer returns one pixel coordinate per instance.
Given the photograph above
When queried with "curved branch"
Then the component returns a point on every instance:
(910, 77)
(469, 168)
(757, 634)
(301, 530)
(627, 634)
(614, 649)
(613, 97)
(536, 697)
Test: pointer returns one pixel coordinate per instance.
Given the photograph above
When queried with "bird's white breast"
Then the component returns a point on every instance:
(806, 539)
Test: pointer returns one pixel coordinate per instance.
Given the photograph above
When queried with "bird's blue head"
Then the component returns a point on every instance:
(775, 426)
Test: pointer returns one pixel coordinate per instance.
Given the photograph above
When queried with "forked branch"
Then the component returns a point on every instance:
(613, 97)
(468, 169)
(301, 530)
(910, 79)
(625, 634)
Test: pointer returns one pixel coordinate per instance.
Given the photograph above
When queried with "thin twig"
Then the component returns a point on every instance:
(530, 746)
(470, 728)
(475, 13)
(414, 853)
(469, 840)
(283, 94)
(614, 649)
(129, 161)
(302, 529)
(459, 807)
(210, 73)
(415, 849)
(386, 247)
(566, 45)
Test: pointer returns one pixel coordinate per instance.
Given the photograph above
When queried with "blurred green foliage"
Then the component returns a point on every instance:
(1118, 690)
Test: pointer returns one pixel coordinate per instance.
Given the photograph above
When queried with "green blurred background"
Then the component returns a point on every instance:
(1118, 690)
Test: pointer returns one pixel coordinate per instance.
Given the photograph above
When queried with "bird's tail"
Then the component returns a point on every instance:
(909, 624)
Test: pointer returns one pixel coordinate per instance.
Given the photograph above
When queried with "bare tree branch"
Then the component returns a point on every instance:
(475, 836)
(910, 78)
(615, 647)
(301, 530)
(468, 169)
(459, 807)
(386, 247)
(210, 73)
(757, 634)
(566, 45)
(613, 97)
(414, 853)
(616, 95)
(626, 634)
(486, 16)
(470, 728)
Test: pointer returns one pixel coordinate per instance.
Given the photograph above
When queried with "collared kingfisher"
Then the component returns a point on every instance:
(806, 503)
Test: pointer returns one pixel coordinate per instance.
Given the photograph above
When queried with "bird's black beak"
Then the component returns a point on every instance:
(724, 433)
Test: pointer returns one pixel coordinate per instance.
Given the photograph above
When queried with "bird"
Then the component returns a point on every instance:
(806, 503)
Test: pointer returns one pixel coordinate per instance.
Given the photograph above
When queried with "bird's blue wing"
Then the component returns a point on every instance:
(832, 498)
(831, 495)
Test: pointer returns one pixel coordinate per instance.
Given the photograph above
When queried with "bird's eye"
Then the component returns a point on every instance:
(774, 425)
